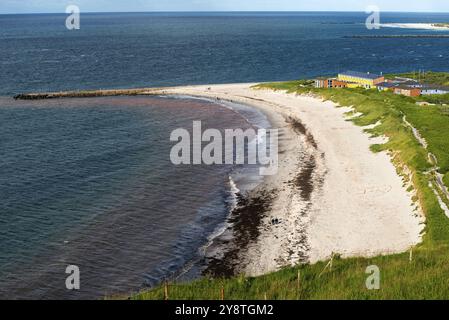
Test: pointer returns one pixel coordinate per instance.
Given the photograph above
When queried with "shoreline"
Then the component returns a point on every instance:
(356, 204)
(257, 246)
(333, 194)
(235, 250)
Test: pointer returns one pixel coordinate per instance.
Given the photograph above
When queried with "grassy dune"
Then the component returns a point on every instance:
(425, 276)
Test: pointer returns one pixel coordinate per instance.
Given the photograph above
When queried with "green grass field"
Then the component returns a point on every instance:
(425, 276)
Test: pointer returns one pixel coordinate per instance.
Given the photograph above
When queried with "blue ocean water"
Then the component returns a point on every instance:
(155, 49)
(89, 182)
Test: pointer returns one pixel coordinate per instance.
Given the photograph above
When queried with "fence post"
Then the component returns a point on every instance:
(298, 285)
(332, 262)
(165, 290)
(222, 293)
(298, 280)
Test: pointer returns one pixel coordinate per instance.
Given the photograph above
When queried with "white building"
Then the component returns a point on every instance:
(429, 89)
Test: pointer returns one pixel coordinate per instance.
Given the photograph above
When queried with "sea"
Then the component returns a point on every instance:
(89, 182)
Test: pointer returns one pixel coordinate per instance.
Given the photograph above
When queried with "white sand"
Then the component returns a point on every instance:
(422, 26)
(359, 207)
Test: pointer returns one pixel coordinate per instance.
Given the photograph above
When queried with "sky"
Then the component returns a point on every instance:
(58, 6)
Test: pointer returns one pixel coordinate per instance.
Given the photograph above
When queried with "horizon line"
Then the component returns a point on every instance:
(227, 11)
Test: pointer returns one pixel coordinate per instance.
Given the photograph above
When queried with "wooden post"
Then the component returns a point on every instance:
(298, 284)
(165, 290)
(265, 296)
(411, 255)
(332, 261)
(222, 293)
(298, 280)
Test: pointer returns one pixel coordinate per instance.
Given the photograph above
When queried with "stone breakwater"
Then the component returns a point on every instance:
(87, 93)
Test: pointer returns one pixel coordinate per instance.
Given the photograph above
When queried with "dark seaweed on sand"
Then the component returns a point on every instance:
(246, 220)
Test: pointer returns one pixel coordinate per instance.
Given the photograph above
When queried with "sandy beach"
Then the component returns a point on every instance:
(332, 195)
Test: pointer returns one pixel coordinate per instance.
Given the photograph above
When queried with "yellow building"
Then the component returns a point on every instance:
(360, 79)
(353, 85)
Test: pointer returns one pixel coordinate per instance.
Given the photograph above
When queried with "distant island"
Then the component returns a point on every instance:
(441, 25)
(423, 26)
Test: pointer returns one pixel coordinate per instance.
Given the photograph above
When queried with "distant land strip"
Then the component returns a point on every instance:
(395, 36)
(87, 93)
